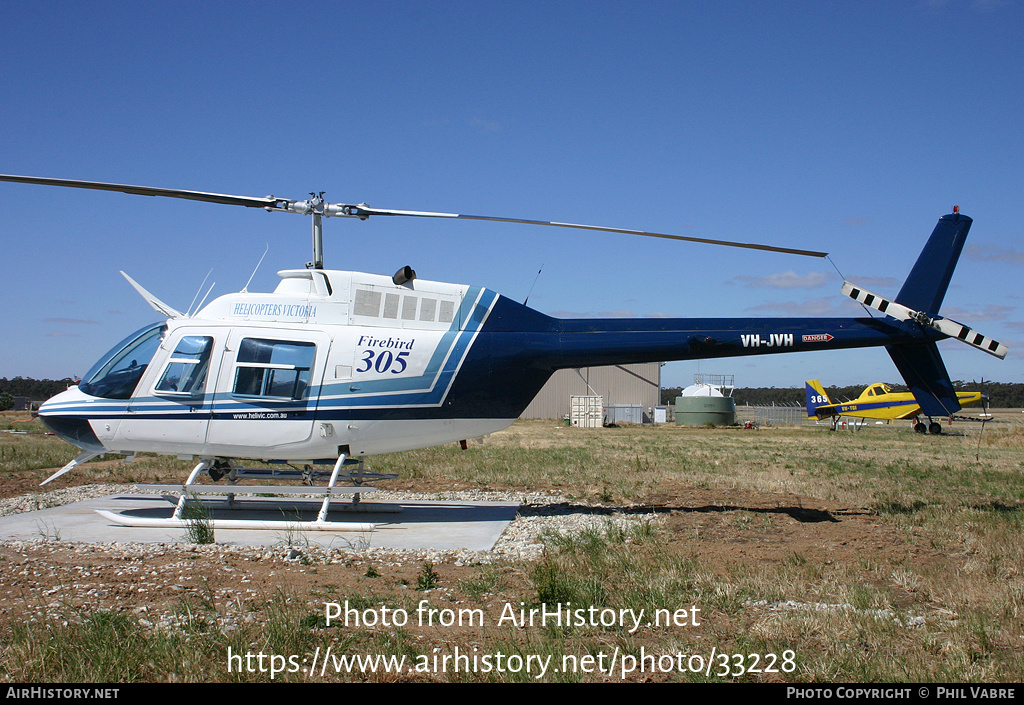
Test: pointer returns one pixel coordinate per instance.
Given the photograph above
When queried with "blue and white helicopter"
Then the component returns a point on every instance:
(333, 366)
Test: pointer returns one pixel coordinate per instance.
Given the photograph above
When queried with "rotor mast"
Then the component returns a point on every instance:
(318, 241)
(317, 202)
(319, 209)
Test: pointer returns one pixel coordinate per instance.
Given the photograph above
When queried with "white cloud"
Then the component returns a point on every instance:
(786, 280)
(485, 125)
(876, 284)
(989, 313)
(991, 253)
(815, 307)
(71, 320)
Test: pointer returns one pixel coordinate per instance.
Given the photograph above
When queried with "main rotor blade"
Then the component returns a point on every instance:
(363, 210)
(248, 201)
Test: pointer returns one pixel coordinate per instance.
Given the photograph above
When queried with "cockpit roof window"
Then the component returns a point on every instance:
(118, 372)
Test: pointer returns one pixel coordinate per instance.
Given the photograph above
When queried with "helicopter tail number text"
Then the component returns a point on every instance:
(773, 340)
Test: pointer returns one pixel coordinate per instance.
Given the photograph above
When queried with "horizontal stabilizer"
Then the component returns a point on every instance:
(946, 326)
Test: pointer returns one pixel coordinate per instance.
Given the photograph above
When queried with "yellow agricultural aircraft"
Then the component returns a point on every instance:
(877, 401)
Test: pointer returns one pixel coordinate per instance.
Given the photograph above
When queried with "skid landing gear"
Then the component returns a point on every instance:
(344, 470)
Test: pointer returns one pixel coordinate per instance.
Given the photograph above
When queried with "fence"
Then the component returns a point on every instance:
(773, 415)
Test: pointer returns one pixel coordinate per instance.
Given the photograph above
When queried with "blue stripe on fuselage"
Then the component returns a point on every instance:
(430, 387)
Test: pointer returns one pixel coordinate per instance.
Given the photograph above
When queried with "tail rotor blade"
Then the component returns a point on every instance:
(969, 336)
(946, 326)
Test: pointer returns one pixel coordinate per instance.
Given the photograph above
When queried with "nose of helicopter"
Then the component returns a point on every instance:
(62, 415)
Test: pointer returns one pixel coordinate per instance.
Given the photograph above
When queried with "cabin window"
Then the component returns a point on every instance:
(118, 372)
(409, 308)
(185, 372)
(367, 303)
(273, 368)
(391, 305)
(447, 312)
(428, 310)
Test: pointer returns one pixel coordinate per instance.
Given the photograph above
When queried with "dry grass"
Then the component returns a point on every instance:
(880, 555)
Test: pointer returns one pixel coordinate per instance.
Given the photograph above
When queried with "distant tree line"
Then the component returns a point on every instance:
(1002, 395)
(34, 389)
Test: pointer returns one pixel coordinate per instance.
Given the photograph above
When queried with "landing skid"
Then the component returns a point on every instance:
(172, 494)
(189, 494)
(277, 525)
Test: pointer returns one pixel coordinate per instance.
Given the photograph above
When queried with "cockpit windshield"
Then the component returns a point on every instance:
(118, 372)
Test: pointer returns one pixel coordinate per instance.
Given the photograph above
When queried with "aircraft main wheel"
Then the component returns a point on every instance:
(935, 428)
(920, 427)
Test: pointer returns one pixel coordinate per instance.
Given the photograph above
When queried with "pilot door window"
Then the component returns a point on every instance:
(275, 369)
(185, 373)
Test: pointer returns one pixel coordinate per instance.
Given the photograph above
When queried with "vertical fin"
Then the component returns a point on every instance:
(924, 372)
(815, 396)
(927, 282)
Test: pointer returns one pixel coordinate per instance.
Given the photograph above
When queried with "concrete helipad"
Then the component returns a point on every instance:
(420, 524)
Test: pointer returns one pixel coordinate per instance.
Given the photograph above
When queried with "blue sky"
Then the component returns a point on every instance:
(837, 126)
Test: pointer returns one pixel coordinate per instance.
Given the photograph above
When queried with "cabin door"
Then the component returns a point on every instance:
(267, 390)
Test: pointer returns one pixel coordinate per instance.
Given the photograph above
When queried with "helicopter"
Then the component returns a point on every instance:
(334, 366)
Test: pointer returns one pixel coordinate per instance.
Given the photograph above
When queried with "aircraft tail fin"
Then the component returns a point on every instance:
(926, 285)
(815, 396)
(924, 372)
(919, 301)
